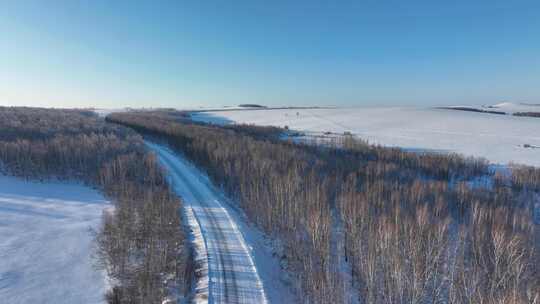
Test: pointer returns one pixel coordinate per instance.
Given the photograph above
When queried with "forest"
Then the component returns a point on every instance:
(417, 227)
(527, 114)
(141, 244)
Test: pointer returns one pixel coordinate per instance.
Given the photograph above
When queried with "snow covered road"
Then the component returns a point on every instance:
(232, 276)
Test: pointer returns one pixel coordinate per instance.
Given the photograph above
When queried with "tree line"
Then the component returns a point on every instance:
(141, 243)
(527, 114)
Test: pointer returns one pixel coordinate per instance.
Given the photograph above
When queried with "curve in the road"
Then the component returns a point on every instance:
(233, 277)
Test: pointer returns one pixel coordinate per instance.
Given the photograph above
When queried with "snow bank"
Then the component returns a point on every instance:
(202, 284)
(511, 108)
(46, 243)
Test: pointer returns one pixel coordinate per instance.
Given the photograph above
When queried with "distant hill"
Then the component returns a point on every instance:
(251, 105)
(470, 109)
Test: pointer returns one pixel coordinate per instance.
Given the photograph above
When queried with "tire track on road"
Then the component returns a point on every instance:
(216, 228)
(233, 276)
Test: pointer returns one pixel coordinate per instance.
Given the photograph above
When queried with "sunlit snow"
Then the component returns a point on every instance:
(499, 138)
(46, 243)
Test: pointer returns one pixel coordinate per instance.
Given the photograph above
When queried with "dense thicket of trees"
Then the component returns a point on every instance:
(279, 188)
(425, 242)
(141, 243)
(419, 228)
(529, 114)
(524, 177)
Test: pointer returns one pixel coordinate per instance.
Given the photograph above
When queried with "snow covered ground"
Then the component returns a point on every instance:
(499, 138)
(46, 244)
(510, 107)
(241, 266)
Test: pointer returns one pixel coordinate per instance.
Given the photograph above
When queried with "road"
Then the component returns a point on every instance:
(232, 275)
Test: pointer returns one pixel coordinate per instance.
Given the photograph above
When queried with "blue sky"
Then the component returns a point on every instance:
(190, 53)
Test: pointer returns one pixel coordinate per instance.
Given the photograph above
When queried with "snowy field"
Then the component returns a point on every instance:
(46, 244)
(501, 139)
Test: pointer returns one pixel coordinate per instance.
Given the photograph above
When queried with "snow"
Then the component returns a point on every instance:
(510, 108)
(349, 284)
(501, 139)
(46, 243)
(202, 284)
(241, 265)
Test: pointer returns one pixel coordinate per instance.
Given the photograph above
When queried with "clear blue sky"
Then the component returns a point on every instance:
(190, 53)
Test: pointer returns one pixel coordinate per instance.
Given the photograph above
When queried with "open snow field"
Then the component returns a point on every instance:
(498, 138)
(45, 243)
(240, 266)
